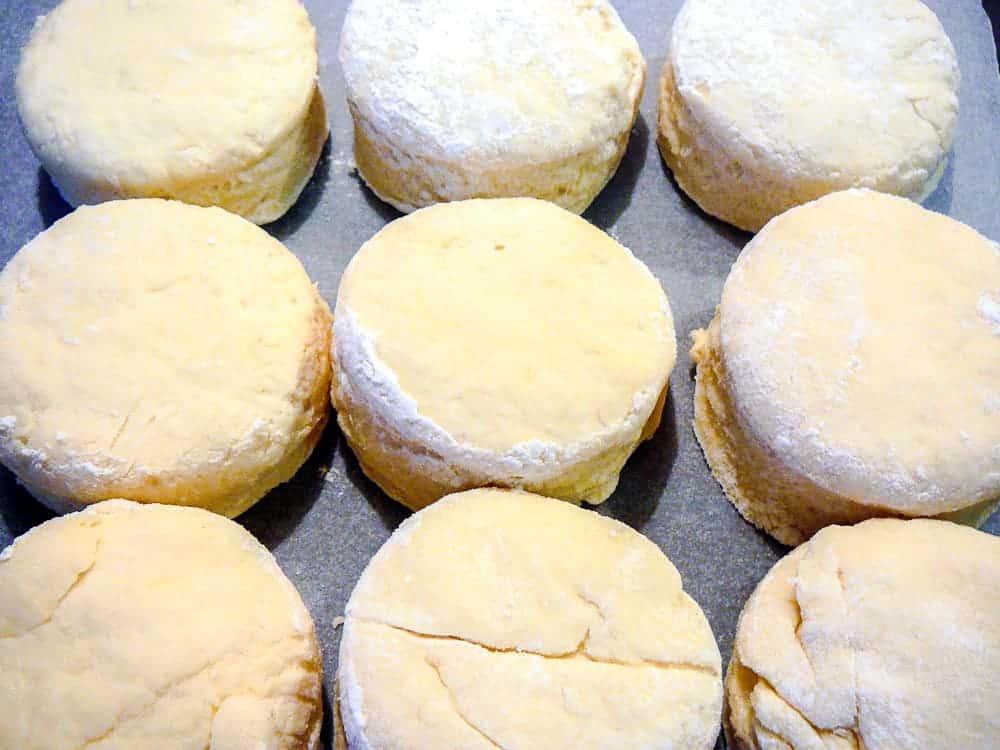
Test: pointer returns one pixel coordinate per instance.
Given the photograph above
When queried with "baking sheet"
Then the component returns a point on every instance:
(326, 523)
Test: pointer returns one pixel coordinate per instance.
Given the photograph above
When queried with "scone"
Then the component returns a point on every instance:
(881, 635)
(454, 99)
(153, 626)
(853, 369)
(212, 102)
(501, 342)
(497, 618)
(159, 352)
(767, 104)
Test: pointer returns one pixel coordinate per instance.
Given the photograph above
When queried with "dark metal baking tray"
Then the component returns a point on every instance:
(327, 522)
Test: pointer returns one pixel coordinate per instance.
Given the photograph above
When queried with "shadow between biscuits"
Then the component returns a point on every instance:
(616, 196)
(289, 222)
(646, 473)
(276, 516)
(19, 510)
(51, 205)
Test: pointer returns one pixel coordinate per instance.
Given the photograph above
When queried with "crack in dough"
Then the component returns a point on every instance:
(458, 711)
(578, 653)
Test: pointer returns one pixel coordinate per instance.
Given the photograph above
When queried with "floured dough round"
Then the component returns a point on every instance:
(881, 635)
(128, 626)
(159, 352)
(767, 104)
(498, 342)
(454, 100)
(853, 368)
(212, 103)
(503, 619)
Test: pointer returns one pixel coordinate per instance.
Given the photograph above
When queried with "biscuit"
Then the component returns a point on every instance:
(211, 103)
(497, 618)
(885, 634)
(454, 100)
(127, 626)
(767, 104)
(159, 352)
(853, 369)
(500, 342)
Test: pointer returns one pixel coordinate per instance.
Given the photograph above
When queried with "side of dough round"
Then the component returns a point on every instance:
(885, 634)
(146, 104)
(159, 352)
(469, 350)
(501, 618)
(767, 105)
(454, 100)
(851, 369)
(128, 625)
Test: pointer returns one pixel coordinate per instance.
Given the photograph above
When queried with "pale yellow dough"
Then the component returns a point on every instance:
(151, 626)
(853, 369)
(212, 103)
(454, 99)
(768, 104)
(880, 636)
(498, 342)
(159, 352)
(503, 619)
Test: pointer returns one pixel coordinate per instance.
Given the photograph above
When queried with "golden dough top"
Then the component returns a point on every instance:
(510, 322)
(153, 337)
(131, 625)
(549, 625)
(165, 91)
(888, 631)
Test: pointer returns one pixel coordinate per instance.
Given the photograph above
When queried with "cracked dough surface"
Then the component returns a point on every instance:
(498, 342)
(128, 625)
(454, 99)
(768, 104)
(503, 619)
(879, 636)
(130, 98)
(162, 353)
(853, 369)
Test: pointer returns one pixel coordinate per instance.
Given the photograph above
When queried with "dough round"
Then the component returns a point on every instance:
(212, 103)
(881, 635)
(503, 619)
(853, 369)
(159, 352)
(499, 342)
(128, 626)
(454, 99)
(767, 104)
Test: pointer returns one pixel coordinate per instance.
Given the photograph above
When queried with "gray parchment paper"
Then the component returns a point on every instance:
(326, 523)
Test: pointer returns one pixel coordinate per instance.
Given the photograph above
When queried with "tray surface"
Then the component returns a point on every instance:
(326, 523)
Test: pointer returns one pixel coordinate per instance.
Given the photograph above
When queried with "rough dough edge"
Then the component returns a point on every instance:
(416, 475)
(798, 508)
(720, 184)
(311, 393)
(261, 191)
(267, 561)
(408, 180)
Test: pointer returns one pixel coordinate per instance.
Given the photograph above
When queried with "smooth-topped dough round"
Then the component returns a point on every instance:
(879, 636)
(498, 342)
(767, 104)
(131, 626)
(454, 99)
(503, 619)
(159, 352)
(853, 368)
(213, 102)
